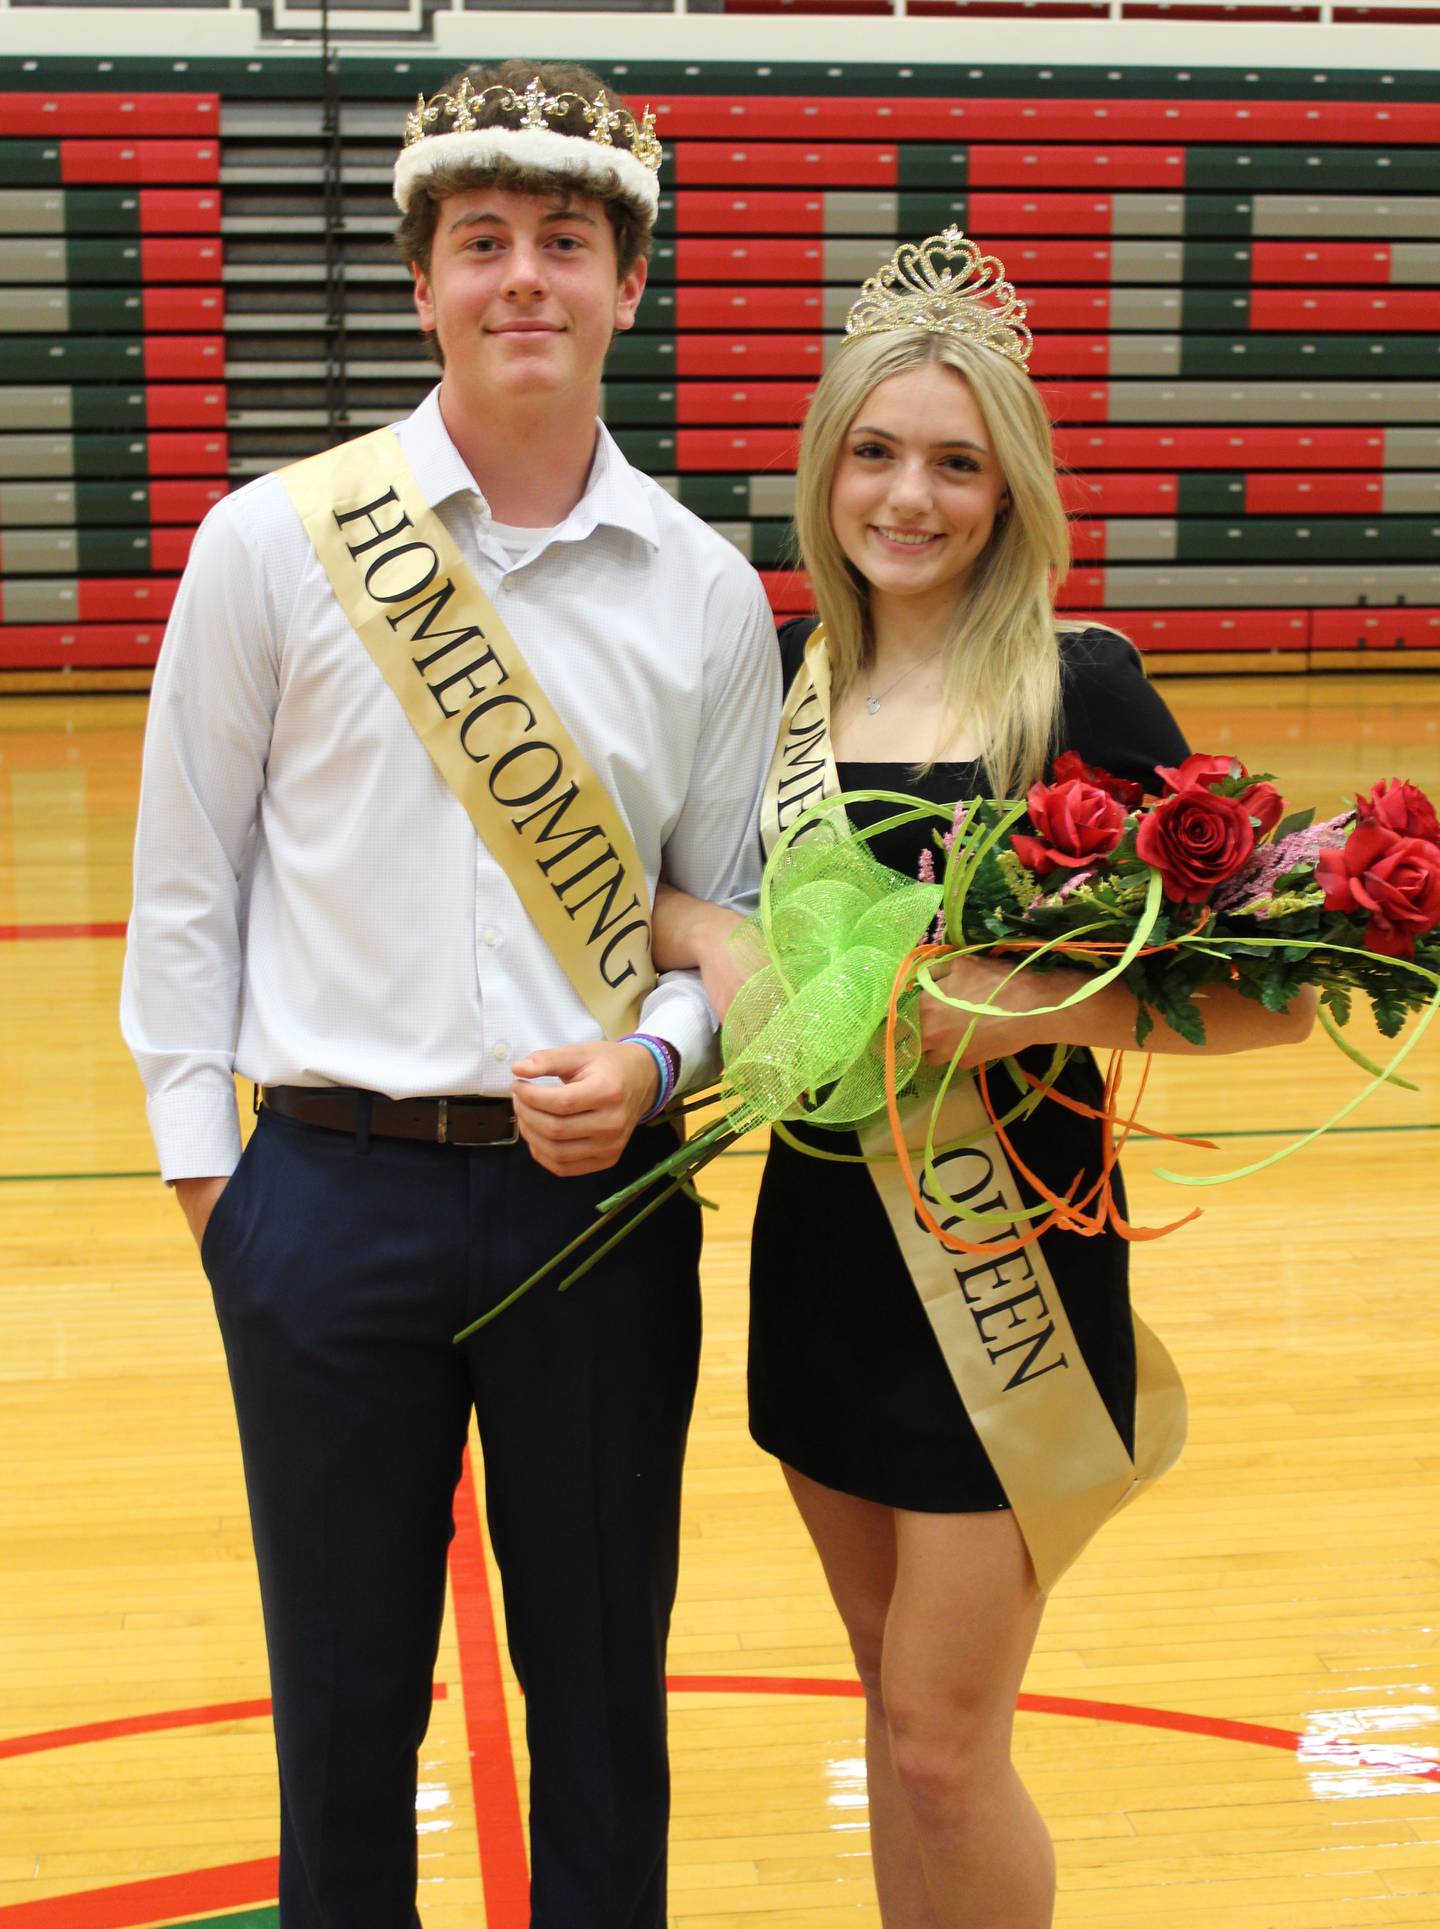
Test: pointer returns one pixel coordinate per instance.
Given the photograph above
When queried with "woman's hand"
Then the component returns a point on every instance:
(689, 934)
(980, 980)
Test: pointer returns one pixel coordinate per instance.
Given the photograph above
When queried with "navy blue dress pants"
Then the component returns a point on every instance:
(340, 1269)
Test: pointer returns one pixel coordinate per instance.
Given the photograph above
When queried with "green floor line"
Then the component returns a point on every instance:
(268, 1918)
(758, 1151)
(50, 1178)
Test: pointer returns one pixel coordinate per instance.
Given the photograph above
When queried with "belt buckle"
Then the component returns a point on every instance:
(446, 1136)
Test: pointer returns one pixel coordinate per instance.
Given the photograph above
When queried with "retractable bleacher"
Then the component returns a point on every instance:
(1233, 276)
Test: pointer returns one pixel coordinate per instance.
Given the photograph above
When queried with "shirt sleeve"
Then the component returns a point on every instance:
(207, 738)
(713, 851)
(1113, 715)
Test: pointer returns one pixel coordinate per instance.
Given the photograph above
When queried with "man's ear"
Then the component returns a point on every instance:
(424, 300)
(627, 298)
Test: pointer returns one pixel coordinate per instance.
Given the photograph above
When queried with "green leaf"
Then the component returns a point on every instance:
(1181, 1013)
(1298, 820)
(1336, 998)
(1389, 1009)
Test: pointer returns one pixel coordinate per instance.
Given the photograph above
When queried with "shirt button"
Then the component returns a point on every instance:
(492, 937)
(500, 1050)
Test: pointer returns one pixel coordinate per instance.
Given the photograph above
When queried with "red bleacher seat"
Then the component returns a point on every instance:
(1362, 629)
(1339, 495)
(1086, 167)
(179, 211)
(168, 310)
(177, 358)
(183, 502)
(730, 261)
(720, 449)
(1119, 495)
(169, 116)
(750, 308)
(183, 405)
(750, 355)
(1159, 631)
(144, 162)
(1395, 311)
(1221, 448)
(721, 163)
(186, 455)
(767, 212)
(51, 646)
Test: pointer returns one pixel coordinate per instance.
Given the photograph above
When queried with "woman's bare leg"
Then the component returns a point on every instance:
(963, 1618)
(855, 1540)
(942, 1611)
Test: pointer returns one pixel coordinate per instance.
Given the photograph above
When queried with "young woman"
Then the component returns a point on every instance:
(929, 519)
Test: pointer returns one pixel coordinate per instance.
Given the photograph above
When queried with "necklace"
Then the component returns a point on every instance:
(872, 698)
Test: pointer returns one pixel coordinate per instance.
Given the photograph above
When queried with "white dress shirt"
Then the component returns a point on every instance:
(312, 904)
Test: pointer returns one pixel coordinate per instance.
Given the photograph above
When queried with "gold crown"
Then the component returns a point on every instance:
(537, 110)
(917, 288)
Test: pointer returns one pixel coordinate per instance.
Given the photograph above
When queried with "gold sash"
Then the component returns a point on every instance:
(802, 771)
(999, 1322)
(480, 712)
(1009, 1347)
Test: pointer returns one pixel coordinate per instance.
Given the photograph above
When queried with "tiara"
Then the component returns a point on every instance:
(917, 288)
(629, 165)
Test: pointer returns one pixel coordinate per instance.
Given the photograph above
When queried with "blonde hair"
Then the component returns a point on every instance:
(1002, 659)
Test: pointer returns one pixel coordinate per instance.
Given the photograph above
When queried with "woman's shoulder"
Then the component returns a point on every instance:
(1098, 652)
(794, 634)
(1111, 712)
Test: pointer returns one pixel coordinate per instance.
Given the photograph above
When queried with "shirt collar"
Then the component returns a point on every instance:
(615, 494)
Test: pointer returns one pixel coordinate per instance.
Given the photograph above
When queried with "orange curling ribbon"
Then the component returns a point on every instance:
(1067, 1213)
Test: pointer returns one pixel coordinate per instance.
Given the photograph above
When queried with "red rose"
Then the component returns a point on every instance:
(1199, 772)
(1262, 801)
(1195, 840)
(1395, 879)
(1077, 823)
(1069, 764)
(1402, 808)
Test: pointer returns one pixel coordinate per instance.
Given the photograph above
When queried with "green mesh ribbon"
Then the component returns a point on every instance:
(804, 1036)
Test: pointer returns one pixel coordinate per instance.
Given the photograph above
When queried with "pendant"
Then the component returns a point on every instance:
(872, 704)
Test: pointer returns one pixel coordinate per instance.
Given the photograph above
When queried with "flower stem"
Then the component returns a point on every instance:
(680, 1168)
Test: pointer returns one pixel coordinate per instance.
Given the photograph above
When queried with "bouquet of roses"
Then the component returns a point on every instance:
(1220, 884)
(1209, 883)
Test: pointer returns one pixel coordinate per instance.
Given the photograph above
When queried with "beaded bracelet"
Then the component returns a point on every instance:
(667, 1065)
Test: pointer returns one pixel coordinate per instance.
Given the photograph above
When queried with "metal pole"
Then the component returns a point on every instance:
(337, 400)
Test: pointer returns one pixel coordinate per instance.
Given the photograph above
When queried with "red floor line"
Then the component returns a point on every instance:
(87, 1731)
(162, 1899)
(47, 1738)
(1216, 1727)
(504, 1872)
(12, 932)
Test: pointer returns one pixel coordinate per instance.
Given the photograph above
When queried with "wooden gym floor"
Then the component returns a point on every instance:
(1231, 1717)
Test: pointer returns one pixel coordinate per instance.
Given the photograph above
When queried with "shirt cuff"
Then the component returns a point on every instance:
(196, 1129)
(678, 1011)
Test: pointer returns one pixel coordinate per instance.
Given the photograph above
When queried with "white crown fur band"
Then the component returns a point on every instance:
(593, 158)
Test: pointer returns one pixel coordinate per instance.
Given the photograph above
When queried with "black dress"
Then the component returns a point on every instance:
(847, 1382)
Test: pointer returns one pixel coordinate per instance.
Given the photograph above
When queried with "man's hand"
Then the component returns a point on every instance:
(197, 1201)
(583, 1123)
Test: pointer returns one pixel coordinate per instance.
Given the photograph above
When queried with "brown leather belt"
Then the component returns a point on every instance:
(462, 1120)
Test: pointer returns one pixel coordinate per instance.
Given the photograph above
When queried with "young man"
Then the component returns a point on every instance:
(432, 710)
